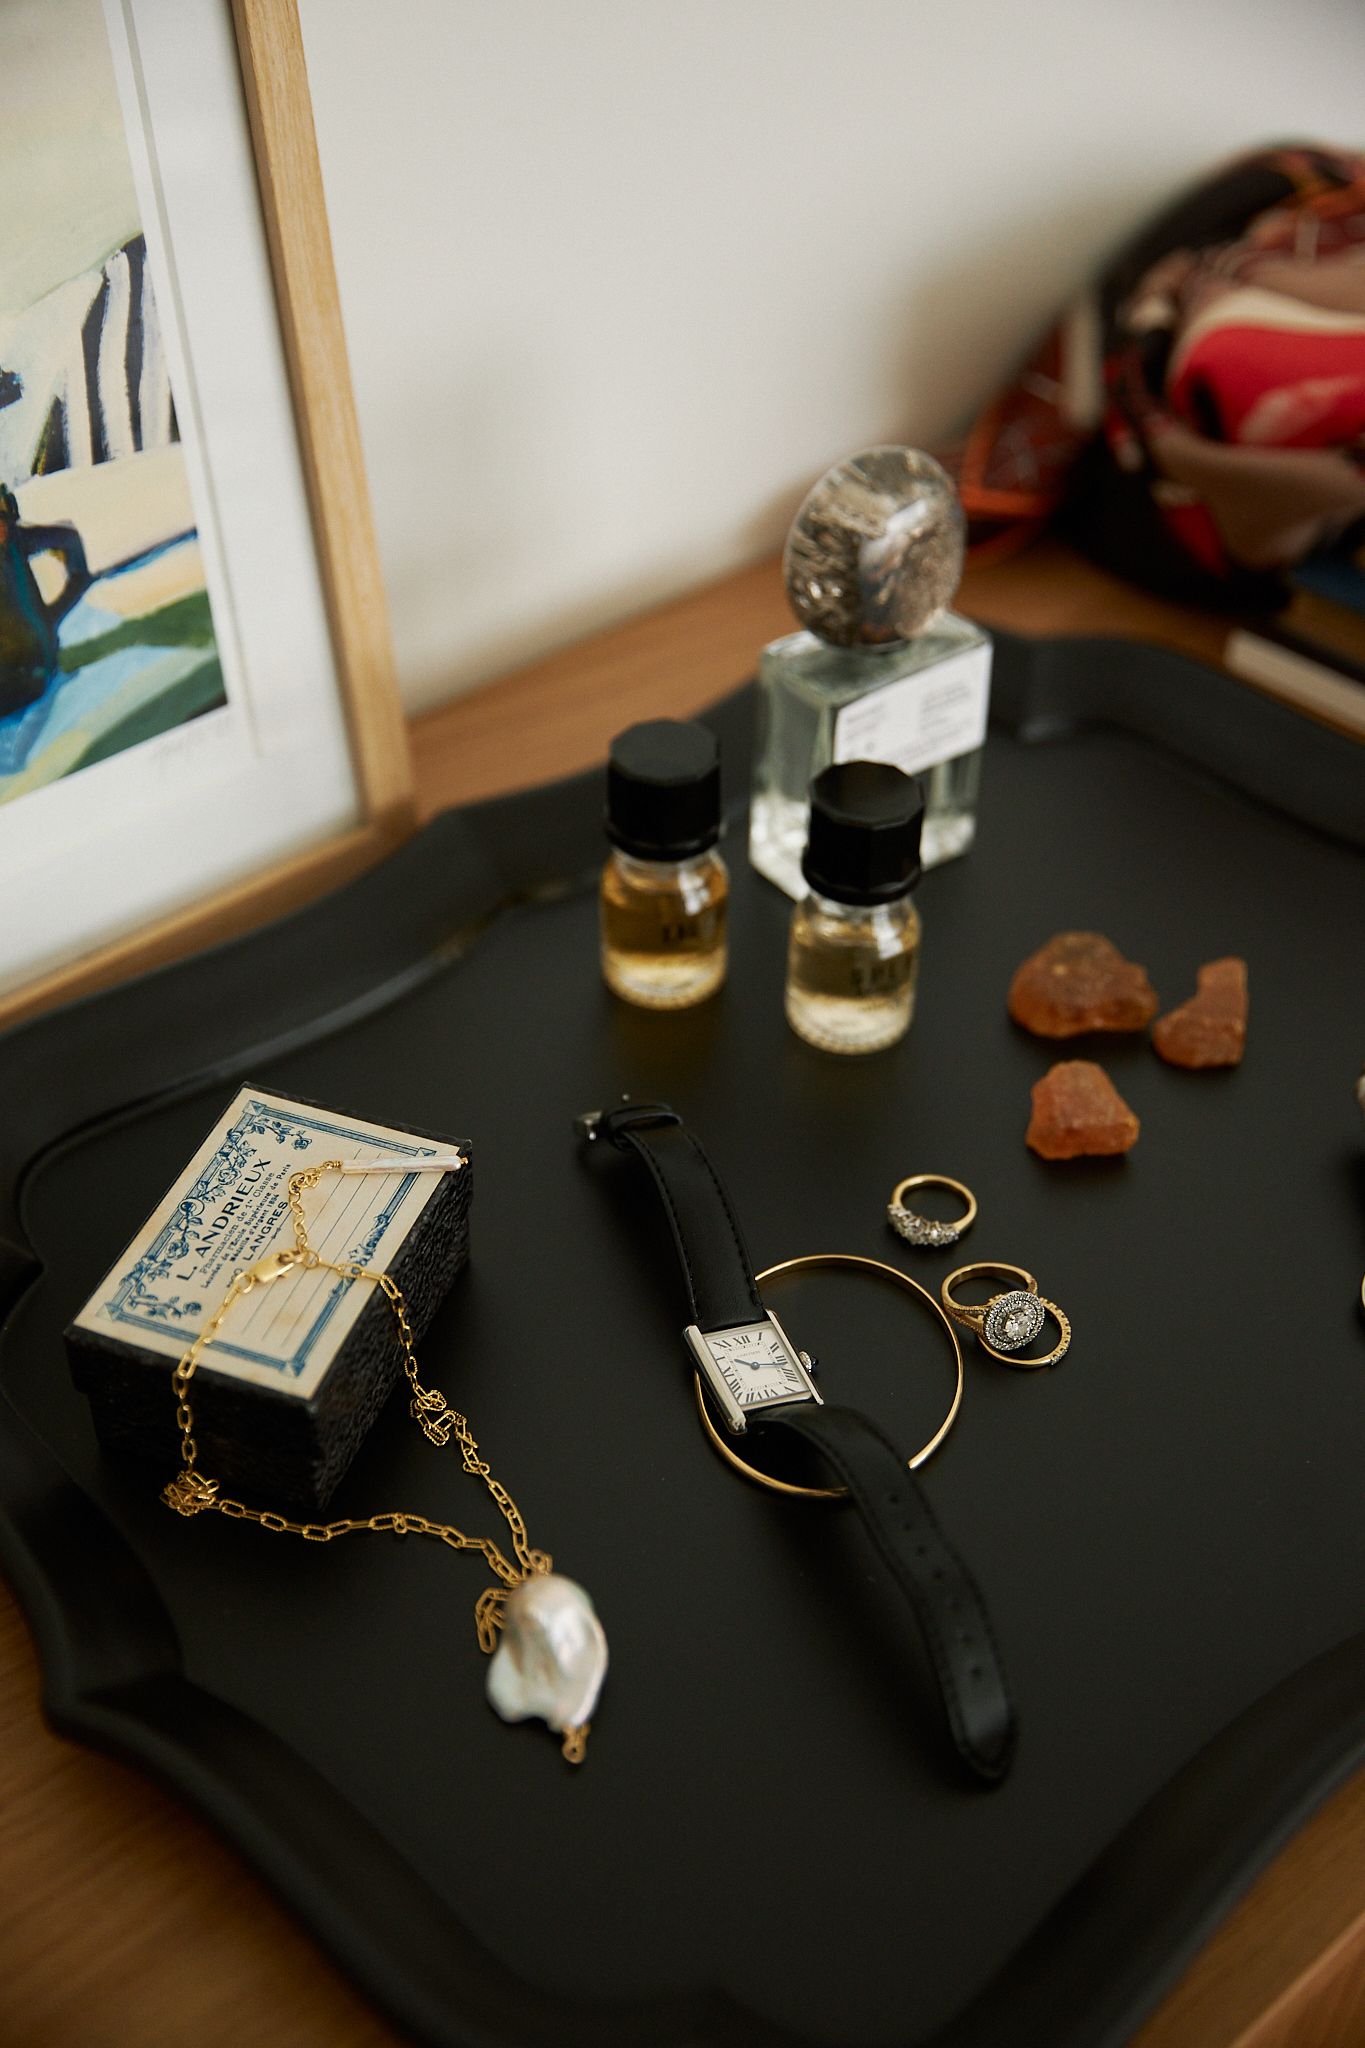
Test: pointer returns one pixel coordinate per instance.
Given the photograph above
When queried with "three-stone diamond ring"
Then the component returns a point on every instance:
(1008, 1321)
(927, 1231)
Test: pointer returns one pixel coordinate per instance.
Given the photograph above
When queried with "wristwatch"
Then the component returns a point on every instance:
(747, 1362)
(759, 1381)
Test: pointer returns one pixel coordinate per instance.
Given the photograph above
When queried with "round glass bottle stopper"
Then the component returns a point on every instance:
(876, 548)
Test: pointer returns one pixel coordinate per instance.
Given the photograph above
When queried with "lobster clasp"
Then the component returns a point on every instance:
(274, 1267)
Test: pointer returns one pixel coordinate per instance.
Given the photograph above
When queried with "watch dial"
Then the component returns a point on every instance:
(754, 1365)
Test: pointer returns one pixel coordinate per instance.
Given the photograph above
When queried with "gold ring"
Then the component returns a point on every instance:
(928, 1231)
(881, 1271)
(1008, 1321)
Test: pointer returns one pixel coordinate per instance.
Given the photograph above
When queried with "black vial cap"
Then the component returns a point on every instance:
(663, 789)
(865, 819)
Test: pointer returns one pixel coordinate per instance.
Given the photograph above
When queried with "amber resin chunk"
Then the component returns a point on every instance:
(1210, 1030)
(1080, 982)
(1077, 1112)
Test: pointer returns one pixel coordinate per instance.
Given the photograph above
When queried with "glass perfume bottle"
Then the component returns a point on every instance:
(664, 889)
(853, 955)
(881, 670)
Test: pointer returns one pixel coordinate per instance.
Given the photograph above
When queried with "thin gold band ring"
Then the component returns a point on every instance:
(876, 1267)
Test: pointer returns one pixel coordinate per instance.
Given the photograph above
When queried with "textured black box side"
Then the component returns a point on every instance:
(264, 1444)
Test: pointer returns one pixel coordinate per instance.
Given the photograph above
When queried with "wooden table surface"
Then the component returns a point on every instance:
(125, 1923)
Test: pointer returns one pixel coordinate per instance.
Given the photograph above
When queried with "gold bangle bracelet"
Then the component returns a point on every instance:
(879, 1269)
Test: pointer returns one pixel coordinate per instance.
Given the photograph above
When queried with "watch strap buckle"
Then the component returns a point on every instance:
(613, 1124)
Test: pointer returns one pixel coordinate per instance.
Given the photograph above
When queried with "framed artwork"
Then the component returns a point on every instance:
(199, 724)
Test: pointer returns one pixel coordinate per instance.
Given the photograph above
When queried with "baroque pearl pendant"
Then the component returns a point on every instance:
(551, 1658)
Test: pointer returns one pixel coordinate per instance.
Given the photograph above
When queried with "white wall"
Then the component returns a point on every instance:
(620, 276)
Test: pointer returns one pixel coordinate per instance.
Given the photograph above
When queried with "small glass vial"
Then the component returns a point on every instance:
(882, 672)
(664, 888)
(853, 955)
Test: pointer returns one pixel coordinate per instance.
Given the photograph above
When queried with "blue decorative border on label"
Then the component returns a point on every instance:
(135, 1301)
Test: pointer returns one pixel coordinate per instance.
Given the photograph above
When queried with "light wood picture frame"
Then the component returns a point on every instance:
(263, 39)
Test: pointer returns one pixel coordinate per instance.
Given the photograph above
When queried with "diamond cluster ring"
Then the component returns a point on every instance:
(927, 1231)
(1008, 1321)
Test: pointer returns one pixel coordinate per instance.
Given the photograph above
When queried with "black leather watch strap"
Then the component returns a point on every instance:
(721, 1289)
(941, 1591)
(720, 1279)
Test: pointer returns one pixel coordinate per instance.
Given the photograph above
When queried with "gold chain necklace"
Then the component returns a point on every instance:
(554, 1655)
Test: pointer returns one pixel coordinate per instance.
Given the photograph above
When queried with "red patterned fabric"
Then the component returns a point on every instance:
(1197, 418)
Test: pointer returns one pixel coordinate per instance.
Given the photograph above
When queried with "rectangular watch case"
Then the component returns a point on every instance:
(750, 1369)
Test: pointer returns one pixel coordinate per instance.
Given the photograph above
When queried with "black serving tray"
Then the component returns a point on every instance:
(765, 1845)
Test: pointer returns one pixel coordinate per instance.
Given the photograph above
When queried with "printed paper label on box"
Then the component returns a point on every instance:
(926, 718)
(229, 1208)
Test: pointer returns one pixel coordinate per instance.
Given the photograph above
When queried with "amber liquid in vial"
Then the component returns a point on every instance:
(851, 973)
(663, 929)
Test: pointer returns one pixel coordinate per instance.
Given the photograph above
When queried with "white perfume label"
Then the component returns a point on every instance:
(230, 1208)
(932, 716)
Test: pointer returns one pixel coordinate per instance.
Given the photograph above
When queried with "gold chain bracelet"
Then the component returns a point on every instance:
(554, 1654)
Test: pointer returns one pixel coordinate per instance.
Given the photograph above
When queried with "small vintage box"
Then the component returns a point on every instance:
(284, 1395)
